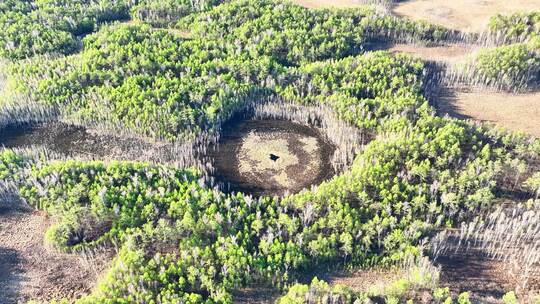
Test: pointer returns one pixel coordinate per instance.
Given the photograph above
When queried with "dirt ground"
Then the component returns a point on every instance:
(363, 279)
(486, 279)
(517, 112)
(271, 157)
(30, 270)
(463, 15)
(256, 295)
(329, 3)
(445, 53)
(358, 280)
(71, 140)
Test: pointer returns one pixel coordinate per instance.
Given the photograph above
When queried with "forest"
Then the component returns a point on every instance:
(175, 73)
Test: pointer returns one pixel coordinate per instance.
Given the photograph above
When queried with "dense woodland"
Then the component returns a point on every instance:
(174, 70)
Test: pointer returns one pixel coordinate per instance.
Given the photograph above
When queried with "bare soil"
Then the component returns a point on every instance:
(486, 279)
(359, 280)
(30, 270)
(449, 53)
(256, 295)
(271, 157)
(329, 3)
(362, 279)
(71, 140)
(463, 15)
(517, 112)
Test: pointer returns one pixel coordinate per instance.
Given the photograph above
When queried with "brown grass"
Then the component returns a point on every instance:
(447, 53)
(257, 294)
(486, 279)
(365, 279)
(517, 112)
(29, 270)
(464, 15)
(328, 3)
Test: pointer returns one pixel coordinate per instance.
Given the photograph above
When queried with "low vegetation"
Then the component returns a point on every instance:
(163, 13)
(39, 27)
(516, 27)
(513, 67)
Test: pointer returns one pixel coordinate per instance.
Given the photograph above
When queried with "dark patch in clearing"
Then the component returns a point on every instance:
(378, 45)
(274, 157)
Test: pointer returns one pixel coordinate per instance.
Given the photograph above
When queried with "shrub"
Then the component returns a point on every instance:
(51, 26)
(516, 27)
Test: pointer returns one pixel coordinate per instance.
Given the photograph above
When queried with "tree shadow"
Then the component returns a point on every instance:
(11, 261)
(11, 201)
(444, 100)
(10, 275)
(378, 45)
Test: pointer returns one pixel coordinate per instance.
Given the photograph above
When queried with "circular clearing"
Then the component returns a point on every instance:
(271, 157)
(71, 140)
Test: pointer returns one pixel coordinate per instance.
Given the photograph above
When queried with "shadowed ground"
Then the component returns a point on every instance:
(30, 270)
